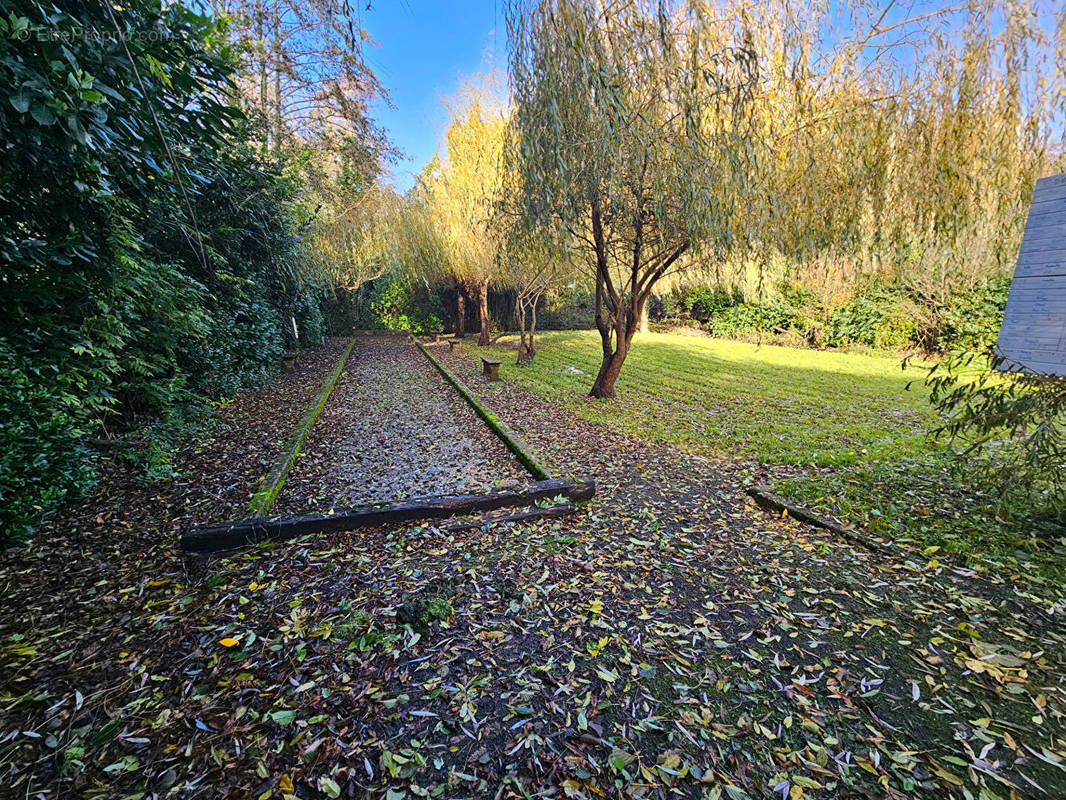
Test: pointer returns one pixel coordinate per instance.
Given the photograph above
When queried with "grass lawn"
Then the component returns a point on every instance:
(844, 433)
(780, 405)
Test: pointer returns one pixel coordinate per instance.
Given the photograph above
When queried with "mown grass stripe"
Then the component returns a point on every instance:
(263, 500)
(514, 443)
(739, 399)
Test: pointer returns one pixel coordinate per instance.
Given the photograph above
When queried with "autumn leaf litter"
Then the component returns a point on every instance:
(671, 640)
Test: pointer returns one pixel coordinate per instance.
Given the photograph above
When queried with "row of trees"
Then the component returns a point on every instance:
(815, 145)
(459, 228)
(179, 186)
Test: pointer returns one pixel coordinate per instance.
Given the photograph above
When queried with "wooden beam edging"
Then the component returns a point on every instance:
(513, 441)
(263, 500)
(260, 529)
(552, 512)
(775, 502)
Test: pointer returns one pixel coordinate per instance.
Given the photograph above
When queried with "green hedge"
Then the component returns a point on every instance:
(879, 315)
(399, 303)
(149, 261)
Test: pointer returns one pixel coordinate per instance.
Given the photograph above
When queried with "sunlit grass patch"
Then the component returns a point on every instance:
(776, 404)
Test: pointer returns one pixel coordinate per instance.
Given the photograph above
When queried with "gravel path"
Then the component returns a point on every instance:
(392, 430)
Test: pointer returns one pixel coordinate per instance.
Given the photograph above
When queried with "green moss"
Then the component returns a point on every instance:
(263, 500)
(348, 627)
(438, 609)
(509, 437)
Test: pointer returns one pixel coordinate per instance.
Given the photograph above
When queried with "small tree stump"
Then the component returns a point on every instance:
(452, 344)
(490, 368)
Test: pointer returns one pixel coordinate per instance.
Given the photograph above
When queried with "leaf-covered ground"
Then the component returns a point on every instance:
(670, 641)
(393, 429)
(844, 433)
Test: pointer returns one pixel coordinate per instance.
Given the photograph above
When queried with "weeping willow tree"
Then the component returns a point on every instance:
(458, 191)
(359, 243)
(531, 264)
(905, 149)
(874, 144)
(902, 148)
(632, 138)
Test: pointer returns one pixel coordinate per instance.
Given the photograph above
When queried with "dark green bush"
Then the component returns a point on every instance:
(570, 308)
(399, 303)
(699, 301)
(877, 317)
(148, 260)
(741, 321)
(310, 319)
(972, 319)
(43, 458)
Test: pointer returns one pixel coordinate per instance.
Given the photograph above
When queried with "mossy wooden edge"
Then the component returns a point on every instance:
(775, 502)
(263, 500)
(510, 438)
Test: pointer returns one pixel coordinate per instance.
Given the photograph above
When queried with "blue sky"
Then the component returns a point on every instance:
(424, 50)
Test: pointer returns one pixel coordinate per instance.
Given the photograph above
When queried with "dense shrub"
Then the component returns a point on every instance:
(699, 302)
(399, 303)
(570, 308)
(744, 320)
(148, 260)
(881, 315)
(972, 320)
(43, 458)
(877, 317)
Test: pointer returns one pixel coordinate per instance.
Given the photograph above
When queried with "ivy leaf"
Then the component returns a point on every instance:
(43, 114)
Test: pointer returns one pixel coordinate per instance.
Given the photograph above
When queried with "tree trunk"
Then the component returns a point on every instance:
(625, 325)
(460, 314)
(533, 327)
(526, 349)
(644, 319)
(277, 77)
(520, 317)
(483, 312)
(263, 76)
(608, 374)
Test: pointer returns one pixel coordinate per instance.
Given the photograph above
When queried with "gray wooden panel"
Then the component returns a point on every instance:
(1050, 262)
(1033, 335)
(1046, 233)
(1050, 205)
(1045, 219)
(1042, 250)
